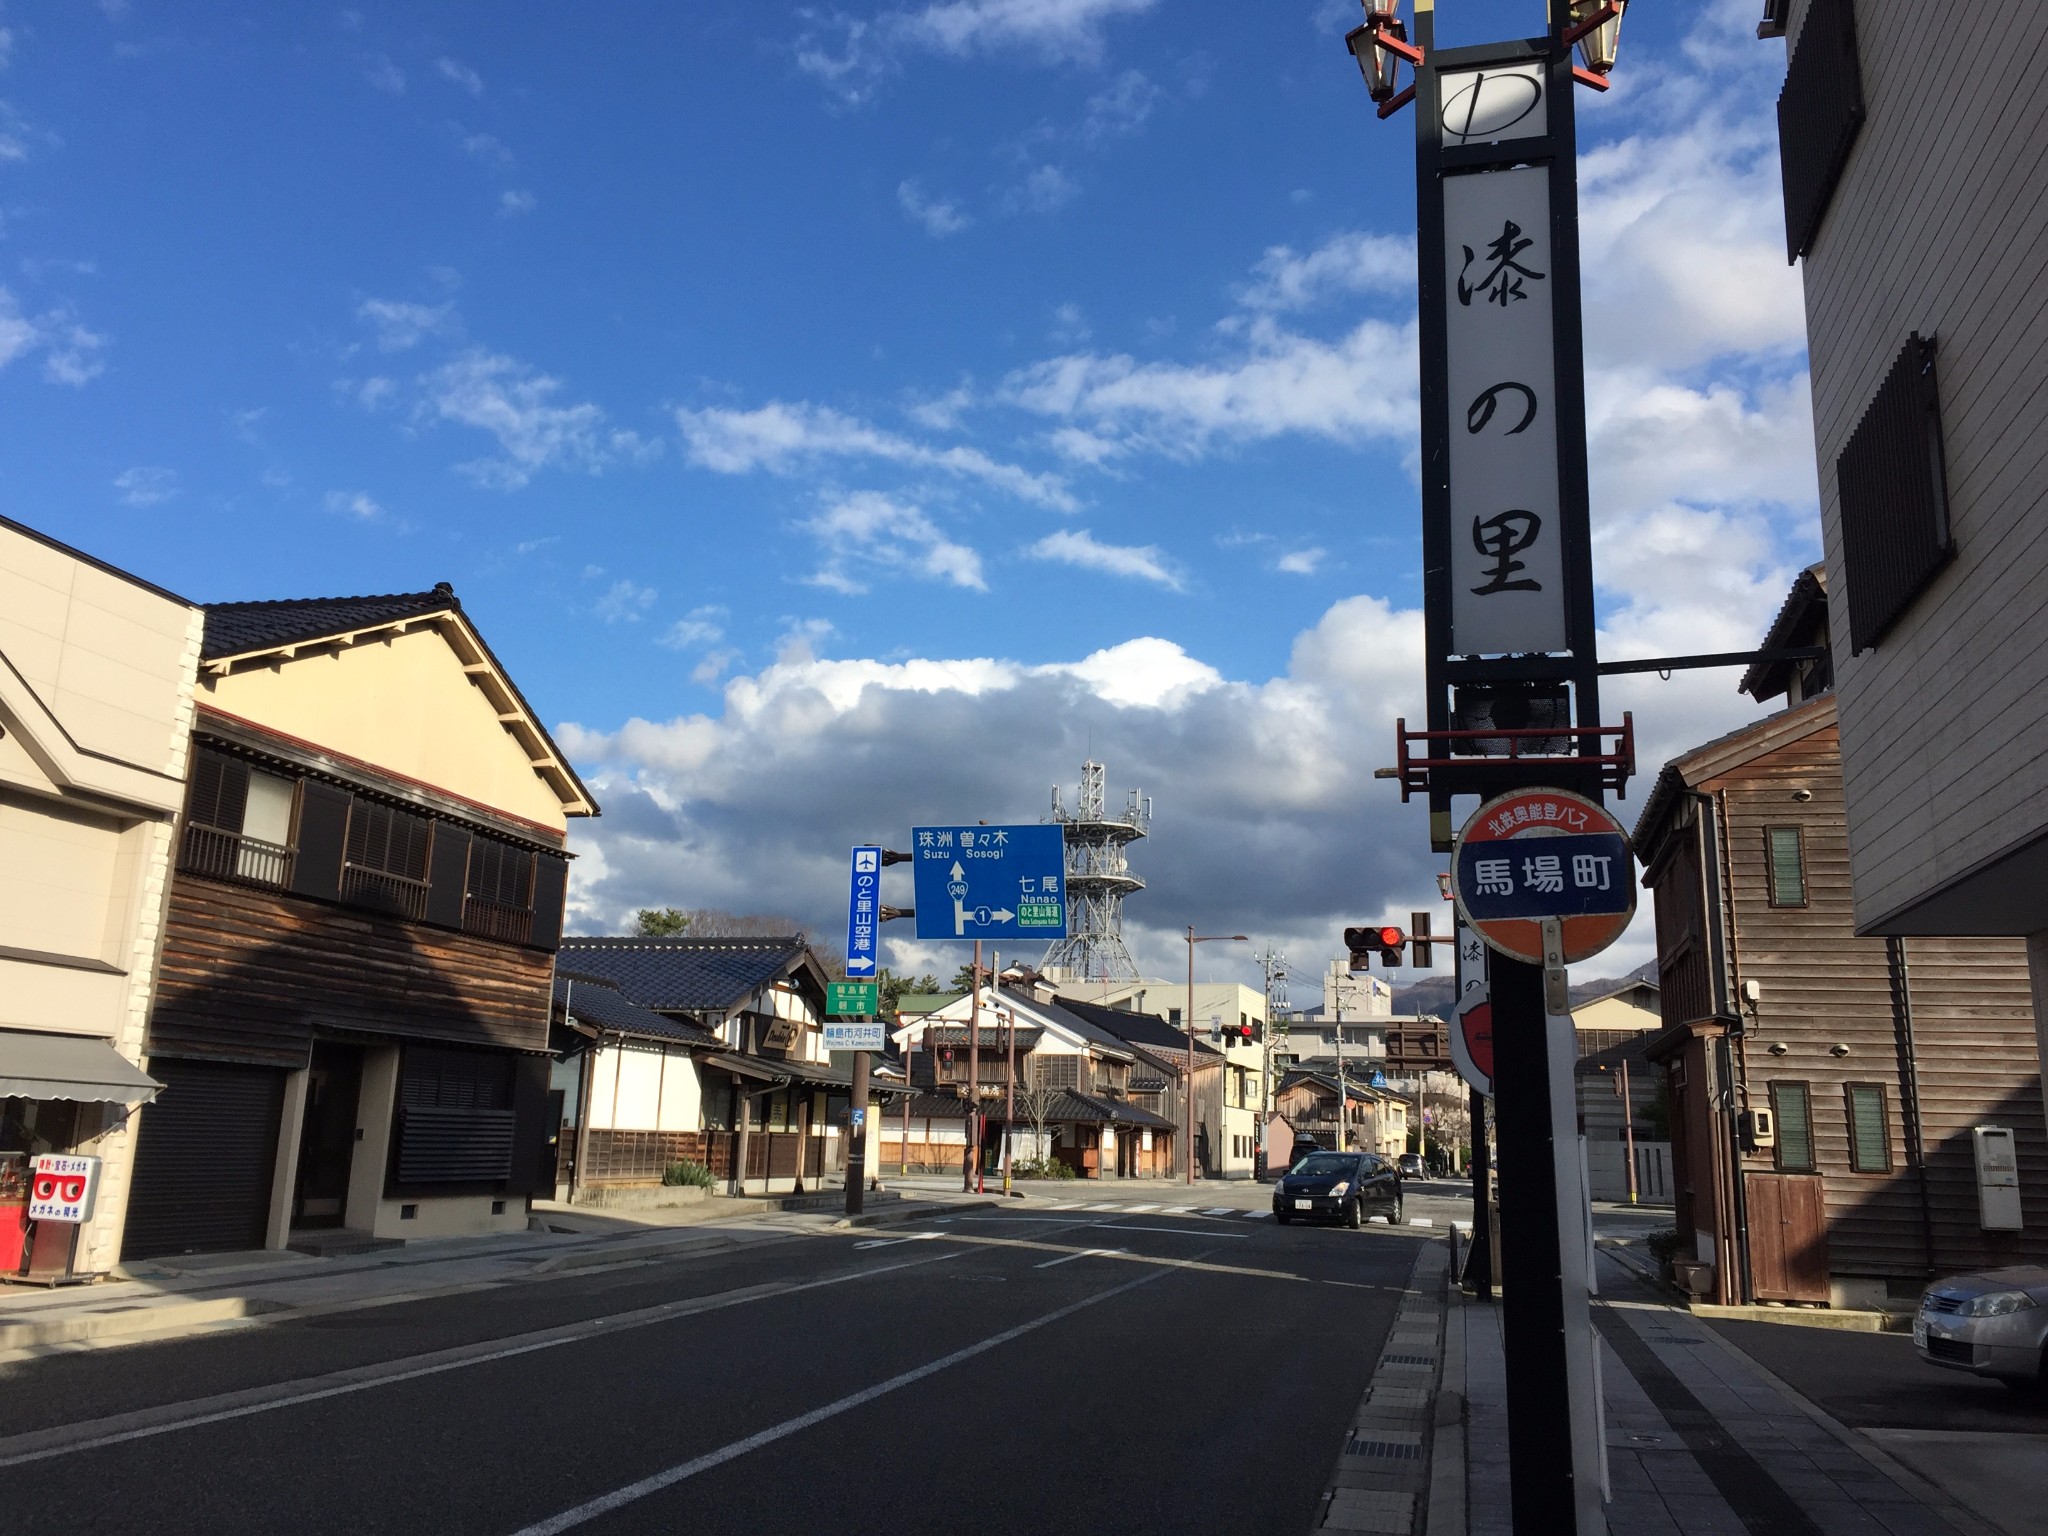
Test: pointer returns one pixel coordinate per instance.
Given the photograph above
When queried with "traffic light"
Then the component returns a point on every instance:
(1390, 940)
(1245, 1034)
(1418, 943)
(1360, 942)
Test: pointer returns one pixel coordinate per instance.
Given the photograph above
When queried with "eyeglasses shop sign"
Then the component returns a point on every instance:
(63, 1188)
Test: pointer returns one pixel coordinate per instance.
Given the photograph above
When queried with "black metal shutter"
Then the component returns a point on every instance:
(550, 891)
(1820, 112)
(455, 1117)
(450, 875)
(1893, 489)
(323, 831)
(533, 1134)
(205, 1155)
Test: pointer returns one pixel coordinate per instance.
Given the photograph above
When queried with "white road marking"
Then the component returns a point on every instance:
(1103, 1207)
(146, 1423)
(1256, 1215)
(1140, 1210)
(1085, 1253)
(1220, 1210)
(1110, 1226)
(891, 1242)
(618, 1498)
(1176, 1210)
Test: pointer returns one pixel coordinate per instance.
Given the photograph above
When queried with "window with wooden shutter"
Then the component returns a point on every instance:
(238, 821)
(386, 863)
(1792, 1108)
(1892, 482)
(1785, 848)
(1870, 1142)
(499, 891)
(1820, 112)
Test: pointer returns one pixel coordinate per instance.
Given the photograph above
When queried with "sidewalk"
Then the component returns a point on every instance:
(1700, 1440)
(205, 1292)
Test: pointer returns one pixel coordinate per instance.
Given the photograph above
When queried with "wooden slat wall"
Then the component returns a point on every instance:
(249, 974)
(1821, 986)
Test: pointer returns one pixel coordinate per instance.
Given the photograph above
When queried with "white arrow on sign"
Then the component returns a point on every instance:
(958, 888)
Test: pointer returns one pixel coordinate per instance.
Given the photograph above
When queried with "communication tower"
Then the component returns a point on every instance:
(1098, 879)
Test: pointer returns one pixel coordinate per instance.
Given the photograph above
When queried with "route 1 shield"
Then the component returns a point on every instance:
(1535, 854)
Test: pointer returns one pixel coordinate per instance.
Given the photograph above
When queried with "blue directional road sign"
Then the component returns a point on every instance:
(863, 912)
(990, 882)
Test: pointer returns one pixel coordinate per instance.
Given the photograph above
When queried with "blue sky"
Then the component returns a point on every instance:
(838, 418)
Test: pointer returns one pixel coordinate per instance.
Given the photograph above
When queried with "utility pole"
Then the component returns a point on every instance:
(1009, 1086)
(1628, 1130)
(857, 1146)
(970, 1173)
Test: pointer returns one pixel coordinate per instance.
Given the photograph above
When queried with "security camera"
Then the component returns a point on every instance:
(1752, 994)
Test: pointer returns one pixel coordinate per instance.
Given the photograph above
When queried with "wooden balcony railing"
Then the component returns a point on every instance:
(496, 920)
(383, 891)
(224, 855)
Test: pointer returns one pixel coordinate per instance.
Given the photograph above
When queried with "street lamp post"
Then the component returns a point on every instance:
(1187, 1020)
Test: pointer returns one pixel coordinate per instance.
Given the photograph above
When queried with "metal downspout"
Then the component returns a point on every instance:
(1909, 1087)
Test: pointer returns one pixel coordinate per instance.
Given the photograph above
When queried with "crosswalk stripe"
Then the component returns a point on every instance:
(1141, 1209)
(1220, 1210)
(1256, 1215)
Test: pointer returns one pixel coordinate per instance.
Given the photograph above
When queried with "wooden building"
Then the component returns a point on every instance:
(745, 1087)
(351, 1011)
(1872, 1059)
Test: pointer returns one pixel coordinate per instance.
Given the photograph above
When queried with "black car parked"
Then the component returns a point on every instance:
(1342, 1186)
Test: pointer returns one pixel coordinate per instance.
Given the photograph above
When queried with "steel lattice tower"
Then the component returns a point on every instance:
(1098, 879)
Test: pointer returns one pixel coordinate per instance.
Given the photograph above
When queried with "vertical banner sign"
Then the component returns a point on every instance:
(1507, 547)
(863, 910)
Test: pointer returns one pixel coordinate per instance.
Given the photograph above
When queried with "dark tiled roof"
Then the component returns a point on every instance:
(1069, 1105)
(1146, 1029)
(599, 1003)
(684, 974)
(1805, 609)
(235, 628)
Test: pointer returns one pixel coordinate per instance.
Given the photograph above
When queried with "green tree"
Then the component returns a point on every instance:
(963, 979)
(661, 922)
(893, 987)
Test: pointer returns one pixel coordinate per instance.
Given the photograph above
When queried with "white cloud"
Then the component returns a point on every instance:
(742, 805)
(459, 73)
(1077, 546)
(356, 504)
(515, 201)
(401, 325)
(1354, 262)
(1121, 108)
(375, 393)
(487, 148)
(6, 47)
(1059, 31)
(1070, 326)
(146, 485)
(384, 76)
(698, 627)
(1301, 562)
(942, 412)
(781, 438)
(516, 405)
(868, 530)
(1358, 388)
(938, 216)
(851, 55)
(625, 602)
(1042, 191)
(71, 352)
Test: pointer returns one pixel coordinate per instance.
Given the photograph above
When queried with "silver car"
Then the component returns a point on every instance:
(1993, 1324)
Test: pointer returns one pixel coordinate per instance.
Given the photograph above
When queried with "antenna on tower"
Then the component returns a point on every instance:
(1098, 879)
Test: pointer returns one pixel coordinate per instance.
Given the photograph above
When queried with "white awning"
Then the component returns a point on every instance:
(83, 1067)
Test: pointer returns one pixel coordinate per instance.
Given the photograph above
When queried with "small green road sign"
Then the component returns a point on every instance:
(853, 999)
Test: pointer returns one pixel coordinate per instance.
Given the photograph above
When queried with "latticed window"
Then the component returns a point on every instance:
(387, 854)
(500, 873)
(1786, 850)
(238, 821)
(1870, 1142)
(1792, 1108)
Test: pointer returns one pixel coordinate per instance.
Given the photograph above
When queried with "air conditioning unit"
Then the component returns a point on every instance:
(1759, 1129)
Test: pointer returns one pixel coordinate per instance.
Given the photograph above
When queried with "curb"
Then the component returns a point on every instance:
(1385, 1478)
(133, 1317)
(910, 1213)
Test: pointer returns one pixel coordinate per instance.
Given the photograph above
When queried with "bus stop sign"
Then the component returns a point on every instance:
(1537, 854)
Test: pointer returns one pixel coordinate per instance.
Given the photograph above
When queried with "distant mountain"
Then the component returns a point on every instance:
(1434, 994)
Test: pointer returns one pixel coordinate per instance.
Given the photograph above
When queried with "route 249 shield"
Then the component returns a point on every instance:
(1536, 854)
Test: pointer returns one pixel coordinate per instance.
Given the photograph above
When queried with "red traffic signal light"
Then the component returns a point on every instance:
(1392, 938)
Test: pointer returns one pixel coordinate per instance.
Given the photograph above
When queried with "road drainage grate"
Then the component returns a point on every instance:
(1384, 1450)
(1408, 1359)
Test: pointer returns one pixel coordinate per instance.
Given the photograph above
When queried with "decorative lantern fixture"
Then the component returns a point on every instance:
(1595, 26)
(1379, 46)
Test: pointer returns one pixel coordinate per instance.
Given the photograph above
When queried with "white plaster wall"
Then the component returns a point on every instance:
(638, 1104)
(681, 1093)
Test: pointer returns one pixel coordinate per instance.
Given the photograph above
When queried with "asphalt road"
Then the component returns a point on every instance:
(1000, 1371)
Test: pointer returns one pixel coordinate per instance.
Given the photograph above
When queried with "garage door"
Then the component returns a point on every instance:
(204, 1159)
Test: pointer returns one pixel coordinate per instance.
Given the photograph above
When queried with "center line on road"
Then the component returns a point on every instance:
(633, 1492)
(1081, 1253)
